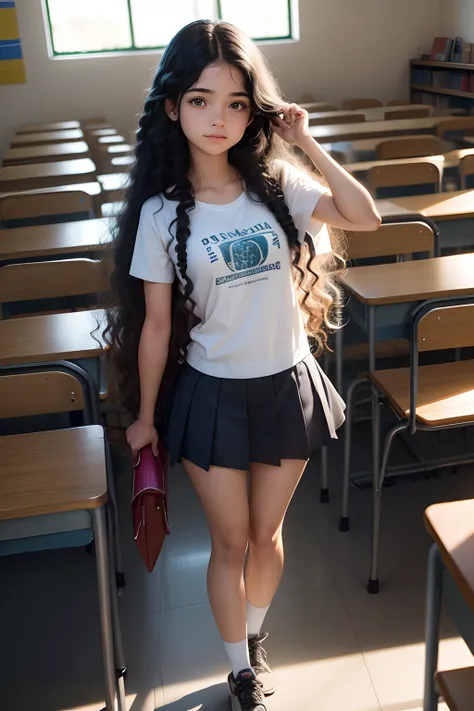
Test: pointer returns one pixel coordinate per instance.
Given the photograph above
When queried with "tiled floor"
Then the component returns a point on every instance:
(334, 647)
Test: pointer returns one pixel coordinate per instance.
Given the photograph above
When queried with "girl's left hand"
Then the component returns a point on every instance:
(292, 124)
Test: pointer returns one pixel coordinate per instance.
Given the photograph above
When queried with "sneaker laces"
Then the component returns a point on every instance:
(249, 692)
(258, 656)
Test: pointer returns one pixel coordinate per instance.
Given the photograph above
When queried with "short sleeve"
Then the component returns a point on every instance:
(150, 260)
(302, 194)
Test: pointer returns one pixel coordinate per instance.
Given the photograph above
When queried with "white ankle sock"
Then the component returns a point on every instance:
(255, 617)
(238, 653)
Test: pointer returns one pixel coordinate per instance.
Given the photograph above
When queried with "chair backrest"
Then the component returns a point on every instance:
(397, 238)
(23, 206)
(39, 393)
(404, 174)
(436, 326)
(455, 125)
(398, 102)
(466, 169)
(352, 104)
(446, 327)
(334, 120)
(54, 279)
(407, 113)
(409, 147)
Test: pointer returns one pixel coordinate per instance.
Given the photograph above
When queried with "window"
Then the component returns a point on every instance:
(98, 26)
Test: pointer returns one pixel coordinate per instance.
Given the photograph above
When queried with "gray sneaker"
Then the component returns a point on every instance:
(246, 692)
(259, 663)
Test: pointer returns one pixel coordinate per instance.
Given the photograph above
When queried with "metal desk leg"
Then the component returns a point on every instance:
(103, 580)
(371, 338)
(120, 667)
(432, 620)
(373, 584)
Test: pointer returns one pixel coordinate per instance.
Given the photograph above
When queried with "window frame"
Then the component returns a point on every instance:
(292, 25)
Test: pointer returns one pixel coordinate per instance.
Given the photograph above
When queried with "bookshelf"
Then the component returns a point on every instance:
(442, 65)
(442, 84)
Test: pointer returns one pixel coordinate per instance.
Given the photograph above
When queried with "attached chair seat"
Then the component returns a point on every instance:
(445, 392)
(48, 483)
(457, 687)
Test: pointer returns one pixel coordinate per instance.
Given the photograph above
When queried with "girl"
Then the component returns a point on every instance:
(218, 287)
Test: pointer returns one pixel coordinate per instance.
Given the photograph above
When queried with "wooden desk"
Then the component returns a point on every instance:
(119, 149)
(363, 167)
(111, 209)
(451, 526)
(387, 208)
(68, 336)
(366, 148)
(46, 175)
(46, 153)
(56, 126)
(374, 129)
(33, 463)
(329, 118)
(453, 212)
(383, 296)
(374, 114)
(93, 188)
(113, 185)
(317, 106)
(36, 139)
(440, 206)
(468, 139)
(82, 236)
(418, 280)
(448, 160)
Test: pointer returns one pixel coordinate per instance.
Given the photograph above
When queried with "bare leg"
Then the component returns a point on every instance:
(271, 490)
(223, 495)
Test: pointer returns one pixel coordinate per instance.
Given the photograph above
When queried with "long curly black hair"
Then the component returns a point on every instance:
(161, 168)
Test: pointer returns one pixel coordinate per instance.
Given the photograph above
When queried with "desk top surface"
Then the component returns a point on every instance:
(418, 280)
(51, 337)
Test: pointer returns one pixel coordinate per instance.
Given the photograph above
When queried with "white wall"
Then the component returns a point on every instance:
(457, 19)
(348, 48)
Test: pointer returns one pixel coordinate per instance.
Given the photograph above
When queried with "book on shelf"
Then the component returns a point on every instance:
(466, 52)
(456, 53)
(420, 75)
(459, 81)
(441, 49)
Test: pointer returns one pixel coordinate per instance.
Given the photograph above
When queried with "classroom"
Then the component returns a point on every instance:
(214, 492)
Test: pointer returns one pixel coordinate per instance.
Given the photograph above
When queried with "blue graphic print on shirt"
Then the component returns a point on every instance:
(244, 252)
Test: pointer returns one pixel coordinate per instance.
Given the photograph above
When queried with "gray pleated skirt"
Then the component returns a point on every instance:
(232, 422)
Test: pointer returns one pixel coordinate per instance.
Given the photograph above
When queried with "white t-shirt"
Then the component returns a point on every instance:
(240, 264)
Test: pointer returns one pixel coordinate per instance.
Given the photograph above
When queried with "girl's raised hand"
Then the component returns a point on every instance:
(139, 435)
(292, 124)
